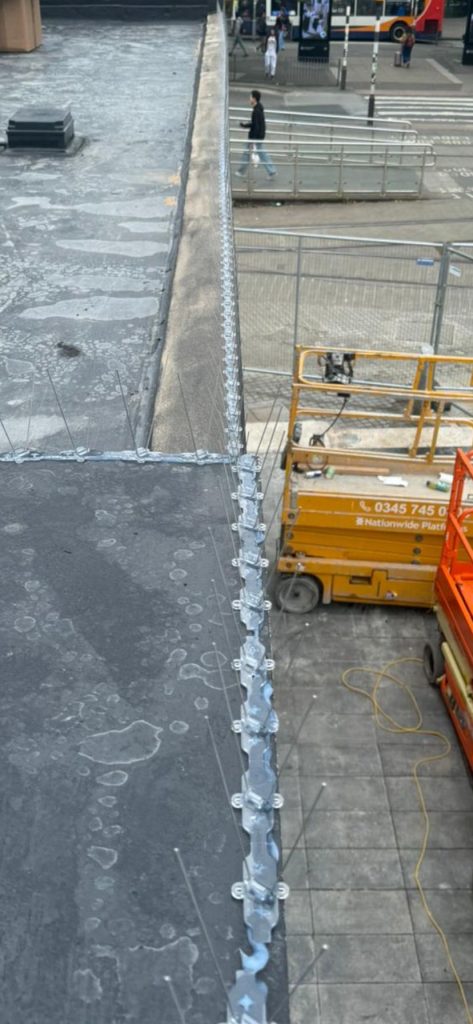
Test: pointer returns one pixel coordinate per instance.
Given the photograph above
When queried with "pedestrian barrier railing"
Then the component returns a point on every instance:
(295, 122)
(279, 129)
(328, 168)
(249, 68)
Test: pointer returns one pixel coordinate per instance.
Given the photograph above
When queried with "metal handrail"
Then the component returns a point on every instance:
(316, 235)
(315, 148)
(297, 160)
(332, 132)
(327, 121)
(322, 140)
(336, 118)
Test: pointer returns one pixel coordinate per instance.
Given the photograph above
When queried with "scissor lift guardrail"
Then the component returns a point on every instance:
(368, 434)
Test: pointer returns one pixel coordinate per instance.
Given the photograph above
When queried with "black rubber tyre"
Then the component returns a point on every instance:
(397, 31)
(297, 595)
(433, 662)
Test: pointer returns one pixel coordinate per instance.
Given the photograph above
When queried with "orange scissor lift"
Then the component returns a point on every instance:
(451, 659)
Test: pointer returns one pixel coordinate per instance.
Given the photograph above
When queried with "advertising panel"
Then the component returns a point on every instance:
(314, 32)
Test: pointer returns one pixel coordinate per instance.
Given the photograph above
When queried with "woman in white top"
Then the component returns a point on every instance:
(271, 53)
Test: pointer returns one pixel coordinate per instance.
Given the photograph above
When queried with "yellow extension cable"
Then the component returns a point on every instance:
(389, 724)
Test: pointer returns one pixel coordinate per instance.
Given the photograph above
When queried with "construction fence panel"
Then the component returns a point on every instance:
(456, 301)
(308, 289)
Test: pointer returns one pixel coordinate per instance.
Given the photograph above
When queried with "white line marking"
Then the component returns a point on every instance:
(443, 117)
(454, 100)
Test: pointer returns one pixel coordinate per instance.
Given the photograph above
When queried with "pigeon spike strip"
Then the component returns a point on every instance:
(259, 888)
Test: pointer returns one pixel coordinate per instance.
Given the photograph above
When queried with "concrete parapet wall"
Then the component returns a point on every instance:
(132, 9)
(192, 358)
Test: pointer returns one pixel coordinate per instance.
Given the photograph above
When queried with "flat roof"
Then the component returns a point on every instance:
(87, 241)
(111, 656)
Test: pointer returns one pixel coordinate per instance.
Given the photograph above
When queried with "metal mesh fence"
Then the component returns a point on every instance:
(455, 302)
(247, 63)
(356, 292)
(353, 293)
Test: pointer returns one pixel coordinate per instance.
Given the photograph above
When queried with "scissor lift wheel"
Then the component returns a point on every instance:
(298, 594)
(433, 662)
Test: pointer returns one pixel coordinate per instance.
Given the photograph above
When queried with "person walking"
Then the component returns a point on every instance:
(271, 54)
(261, 32)
(238, 40)
(407, 45)
(256, 134)
(281, 32)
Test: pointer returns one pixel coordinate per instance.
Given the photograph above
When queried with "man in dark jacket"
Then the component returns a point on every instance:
(256, 134)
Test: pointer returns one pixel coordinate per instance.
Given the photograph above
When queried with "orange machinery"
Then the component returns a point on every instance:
(450, 660)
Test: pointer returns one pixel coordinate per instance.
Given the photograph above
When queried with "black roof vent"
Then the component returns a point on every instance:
(47, 128)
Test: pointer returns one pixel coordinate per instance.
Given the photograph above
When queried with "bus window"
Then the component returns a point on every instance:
(276, 8)
(369, 8)
(398, 8)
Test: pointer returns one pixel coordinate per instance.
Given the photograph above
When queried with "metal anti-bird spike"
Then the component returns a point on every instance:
(248, 997)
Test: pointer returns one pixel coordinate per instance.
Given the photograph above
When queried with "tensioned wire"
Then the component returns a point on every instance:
(389, 724)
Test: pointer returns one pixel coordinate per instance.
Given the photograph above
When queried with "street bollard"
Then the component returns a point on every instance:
(343, 77)
(374, 68)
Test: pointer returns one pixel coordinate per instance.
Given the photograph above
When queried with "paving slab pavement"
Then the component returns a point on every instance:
(441, 63)
(351, 872)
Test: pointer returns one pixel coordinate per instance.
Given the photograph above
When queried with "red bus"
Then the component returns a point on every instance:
(425, 16)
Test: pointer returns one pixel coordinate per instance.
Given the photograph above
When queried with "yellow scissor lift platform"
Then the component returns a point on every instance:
(359, 422)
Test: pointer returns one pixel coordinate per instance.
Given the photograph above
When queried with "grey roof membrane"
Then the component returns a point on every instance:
(108, 621)
(85, 240)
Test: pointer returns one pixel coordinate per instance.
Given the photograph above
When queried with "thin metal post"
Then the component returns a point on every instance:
(298, 290)
(10, 442)
(343, 78)
(422, 172)
(202, 923)
(175, 1000)
(340, 172)
(295, 168)
(305, 822)
(439, 305)
(61, 410)
(186, 411)
(323, 949)
(383, 183)
(374, 68)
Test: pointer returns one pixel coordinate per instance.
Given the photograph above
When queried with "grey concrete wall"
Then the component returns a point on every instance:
(192, 364)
